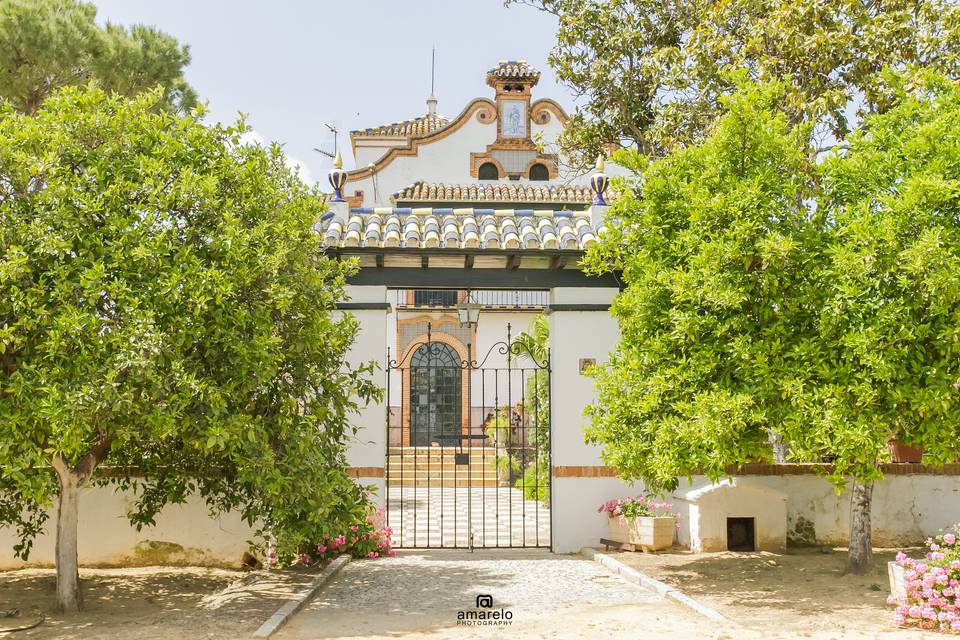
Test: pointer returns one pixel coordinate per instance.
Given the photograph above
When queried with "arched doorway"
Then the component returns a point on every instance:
(435, 395)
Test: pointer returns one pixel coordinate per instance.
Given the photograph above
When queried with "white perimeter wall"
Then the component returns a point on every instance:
(906, 508)
(368, 451)
(575, 335)
(185, 535)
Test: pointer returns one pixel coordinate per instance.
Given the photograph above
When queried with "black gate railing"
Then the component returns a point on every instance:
(468, 445)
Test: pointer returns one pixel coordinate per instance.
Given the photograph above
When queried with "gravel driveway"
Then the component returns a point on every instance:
(547, 596)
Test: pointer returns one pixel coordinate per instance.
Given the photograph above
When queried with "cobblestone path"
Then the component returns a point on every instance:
(419, 594)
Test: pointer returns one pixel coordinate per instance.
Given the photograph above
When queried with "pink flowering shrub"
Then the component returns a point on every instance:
(632, 508)
(931, 585)
(368, 539)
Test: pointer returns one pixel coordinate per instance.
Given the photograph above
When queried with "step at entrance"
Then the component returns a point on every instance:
(437, 466)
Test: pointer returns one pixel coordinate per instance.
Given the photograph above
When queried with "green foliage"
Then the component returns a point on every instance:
(533, 350)
(48, 44)
(714, 250)
(497, 427)
(761, 299)
(887, 351)
(166, 308)
(652, 72)
(535, 480)
(524, 432)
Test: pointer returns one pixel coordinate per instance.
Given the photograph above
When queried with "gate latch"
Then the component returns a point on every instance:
(461, 458)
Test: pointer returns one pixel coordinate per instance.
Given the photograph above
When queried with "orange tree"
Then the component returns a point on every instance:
(767, 294)
(166, 308)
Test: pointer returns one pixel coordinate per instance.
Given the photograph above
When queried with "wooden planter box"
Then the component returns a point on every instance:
(647, 532)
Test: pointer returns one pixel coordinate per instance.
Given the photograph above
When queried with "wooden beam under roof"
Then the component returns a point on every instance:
(468, 261)
(440, 278)
(415, 252)
(513, 262)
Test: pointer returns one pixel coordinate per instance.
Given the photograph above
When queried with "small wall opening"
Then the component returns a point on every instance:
(741, 534)
(539, 172)
(488, 171)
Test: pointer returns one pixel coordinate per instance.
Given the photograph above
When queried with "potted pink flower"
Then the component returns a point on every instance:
(925, 591)
(637, 521)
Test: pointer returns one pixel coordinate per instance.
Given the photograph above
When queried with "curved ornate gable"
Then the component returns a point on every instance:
(484, 105)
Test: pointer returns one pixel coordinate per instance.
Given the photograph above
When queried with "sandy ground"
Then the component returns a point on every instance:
(803, 593)
(164, 603)
(417, 595)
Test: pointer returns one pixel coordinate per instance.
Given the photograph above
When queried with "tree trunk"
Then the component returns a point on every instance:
(71, 479)
(69, 599)
(781, 450)
(860, 560)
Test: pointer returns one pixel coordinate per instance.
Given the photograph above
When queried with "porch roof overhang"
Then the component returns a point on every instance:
(471, 268)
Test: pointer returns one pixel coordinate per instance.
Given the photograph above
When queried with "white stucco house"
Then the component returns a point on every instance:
(466, 229)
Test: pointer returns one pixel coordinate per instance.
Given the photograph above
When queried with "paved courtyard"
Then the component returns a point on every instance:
(439, 517)
(418, 594)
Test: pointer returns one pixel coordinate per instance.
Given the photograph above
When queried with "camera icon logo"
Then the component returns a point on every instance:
(484, 601)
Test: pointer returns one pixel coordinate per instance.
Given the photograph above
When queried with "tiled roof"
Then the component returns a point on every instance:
(468, 228)
(513, 70)
(494, 192)
(413, 128)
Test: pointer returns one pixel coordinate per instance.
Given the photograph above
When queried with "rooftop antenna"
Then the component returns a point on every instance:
(432, 100)
(335, 132)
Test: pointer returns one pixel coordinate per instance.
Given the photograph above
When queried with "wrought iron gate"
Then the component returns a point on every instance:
(468, 445)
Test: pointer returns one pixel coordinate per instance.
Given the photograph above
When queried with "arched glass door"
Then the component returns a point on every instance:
(435, 395)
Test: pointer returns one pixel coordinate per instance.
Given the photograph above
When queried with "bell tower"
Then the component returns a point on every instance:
(513, 155)
(513, 81)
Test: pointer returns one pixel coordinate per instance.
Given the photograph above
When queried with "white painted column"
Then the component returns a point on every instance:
(581, 328)
(367, 451)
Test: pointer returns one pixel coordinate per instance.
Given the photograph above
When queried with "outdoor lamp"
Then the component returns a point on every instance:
(469, 312)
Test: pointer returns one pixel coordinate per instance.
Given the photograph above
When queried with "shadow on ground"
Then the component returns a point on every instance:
(150, 602)
(804, 590)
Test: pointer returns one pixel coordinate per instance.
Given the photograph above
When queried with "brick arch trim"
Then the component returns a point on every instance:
(461, 350)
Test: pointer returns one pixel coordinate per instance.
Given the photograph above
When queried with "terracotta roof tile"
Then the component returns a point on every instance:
(493, 192)
(414, 128)
(414, 228)
(513, 70)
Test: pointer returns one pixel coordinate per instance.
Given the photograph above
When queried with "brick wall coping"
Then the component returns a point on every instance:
(763, 469)
(601, 471)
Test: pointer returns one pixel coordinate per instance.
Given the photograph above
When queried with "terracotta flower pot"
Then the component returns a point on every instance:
(900, 452)
(648, 532)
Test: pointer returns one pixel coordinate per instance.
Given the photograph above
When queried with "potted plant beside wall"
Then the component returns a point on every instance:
(903, 452)
(640, 523)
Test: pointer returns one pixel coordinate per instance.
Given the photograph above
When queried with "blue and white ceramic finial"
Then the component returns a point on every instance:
(599, 183)
(337, 178)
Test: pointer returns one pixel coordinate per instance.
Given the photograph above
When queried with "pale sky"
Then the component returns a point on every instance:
(293, 65)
